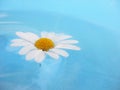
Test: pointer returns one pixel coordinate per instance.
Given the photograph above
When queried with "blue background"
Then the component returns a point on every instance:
(95, 23)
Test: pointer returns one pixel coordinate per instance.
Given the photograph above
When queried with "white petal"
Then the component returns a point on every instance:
(53, 55)
(51, 35)
(60, 52)
(48, 35)
(19, 34)
(66, 46)
(69, 41)
(33, 36)
(44, 34)
(63, 37)
(40, 56)
(31, 54)
(55, 36)
(26, 49)
(27, 36)
(16, 44)
(17, 40)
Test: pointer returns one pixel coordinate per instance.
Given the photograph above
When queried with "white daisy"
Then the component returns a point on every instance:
(52, 44)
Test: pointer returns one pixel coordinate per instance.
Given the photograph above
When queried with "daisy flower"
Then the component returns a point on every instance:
(37, 47)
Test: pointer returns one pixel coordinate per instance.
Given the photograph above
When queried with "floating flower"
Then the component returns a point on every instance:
(51, 44)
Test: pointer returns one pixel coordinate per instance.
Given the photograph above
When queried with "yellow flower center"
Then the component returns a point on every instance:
(44, 44)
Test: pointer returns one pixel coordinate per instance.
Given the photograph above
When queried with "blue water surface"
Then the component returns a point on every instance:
(94, 23)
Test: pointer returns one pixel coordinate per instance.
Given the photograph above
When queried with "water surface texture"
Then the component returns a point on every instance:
(94, 23)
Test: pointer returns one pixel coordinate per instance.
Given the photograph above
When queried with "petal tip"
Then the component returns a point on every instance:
(78, 48)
